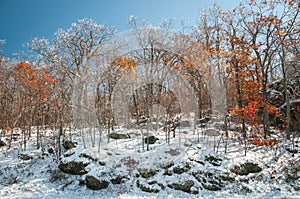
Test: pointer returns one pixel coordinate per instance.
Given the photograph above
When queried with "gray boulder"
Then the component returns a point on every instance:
(151, 139)
(186, 186)
(119, 136)
(75, 168)
(95, 184)
(246, 168)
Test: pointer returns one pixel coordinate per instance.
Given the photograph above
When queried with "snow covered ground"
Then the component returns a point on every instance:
(184, 168)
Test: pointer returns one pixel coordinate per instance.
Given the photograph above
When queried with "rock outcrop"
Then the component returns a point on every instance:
(246, 168)
(75, 168)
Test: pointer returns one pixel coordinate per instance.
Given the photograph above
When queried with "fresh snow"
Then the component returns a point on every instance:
(40, 177)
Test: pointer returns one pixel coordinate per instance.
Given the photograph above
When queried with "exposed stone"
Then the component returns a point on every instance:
(291, 150)
(146, 188)
(75, 168)
(155, 182)
(119, 136)
(81, 182)
(95, 184)
(168, 165)
(212, 186)
(102, 163)
(180, 170)
(147, 173)
(118, 180)
(226, 177)
(186, 186)
(245, 189)
(213, 160)
(68, 144)
(213, 181)
(25, 156)
(246, 168)
(69, 153)
(2, 143)
(50, 150)
(152, 139)
(84, 155)
(167, 172)
(200, 162)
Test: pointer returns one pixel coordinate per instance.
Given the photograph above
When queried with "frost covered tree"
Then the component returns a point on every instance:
(163, 60)
(71, 50)
(69, 57)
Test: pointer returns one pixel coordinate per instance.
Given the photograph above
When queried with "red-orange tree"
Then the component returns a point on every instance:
(250, 50)
(35, 97)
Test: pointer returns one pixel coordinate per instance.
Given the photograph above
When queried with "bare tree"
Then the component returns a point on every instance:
(69, 58)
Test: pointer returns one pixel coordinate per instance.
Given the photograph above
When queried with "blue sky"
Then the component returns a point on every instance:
(22, 20)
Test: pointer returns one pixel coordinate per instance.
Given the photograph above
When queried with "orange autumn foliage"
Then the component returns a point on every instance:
(248, 113)
(126, 63)
(36, 84)
(9, 129)
(256, 140)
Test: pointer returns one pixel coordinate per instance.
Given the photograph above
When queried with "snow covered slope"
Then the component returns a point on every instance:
(185, 168)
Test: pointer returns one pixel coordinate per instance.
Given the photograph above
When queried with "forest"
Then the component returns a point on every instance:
(238, 69)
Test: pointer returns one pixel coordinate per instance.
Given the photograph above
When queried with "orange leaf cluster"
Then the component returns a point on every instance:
(248, 113)
(36, 83)
(127, 63)
(256, 140)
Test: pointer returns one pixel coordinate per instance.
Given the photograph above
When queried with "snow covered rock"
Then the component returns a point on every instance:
(215, 161)
(68, 144)
(246, 168)
(152, 139)
(118, 179)
(147, 173)
(73, 167)
(151, 187)
(119, 135)
(181, 168)
(213, 180)
(2, 143)
(28, 155)
(95, 184)
(25, 156)
(185, 186)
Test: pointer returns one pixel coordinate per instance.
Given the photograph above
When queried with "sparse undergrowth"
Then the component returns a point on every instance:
(192, 171)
